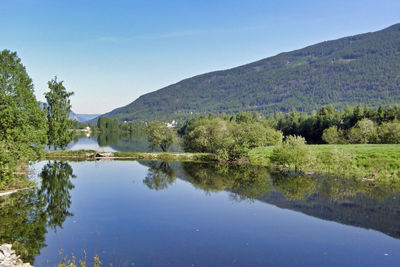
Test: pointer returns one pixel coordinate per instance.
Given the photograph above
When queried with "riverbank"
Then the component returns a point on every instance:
(366, 162)
(94, 155)
(12, 191)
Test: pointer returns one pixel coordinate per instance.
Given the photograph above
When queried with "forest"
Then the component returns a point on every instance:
(361, 69)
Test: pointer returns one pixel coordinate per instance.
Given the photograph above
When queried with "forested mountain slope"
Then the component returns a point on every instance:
(359, 69)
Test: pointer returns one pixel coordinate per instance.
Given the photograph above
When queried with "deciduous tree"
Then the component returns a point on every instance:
(58, 110)
(22, 121)
(160, 135)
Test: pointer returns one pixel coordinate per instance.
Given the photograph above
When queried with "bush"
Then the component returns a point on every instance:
(336, 162)
(389, 133)
(333, 135)
(293, 153)
(228, 139)
(364, 132)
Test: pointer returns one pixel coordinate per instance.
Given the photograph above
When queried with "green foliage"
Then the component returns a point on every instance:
(352, 125)
(229, 137)
(55, 186)
(105, 124)
(389, 133)
(58, 110)
(293, 152)
(126, 136)
(244, 182)
(159, 135)
(295, 187)
(364, 132)
(159, 176)
(22, 121)
(78, 125)
(336, 162)
(361, 69)
(23, 224)
(24, 217)
(207, 135)
(366, 161)
(333, 135)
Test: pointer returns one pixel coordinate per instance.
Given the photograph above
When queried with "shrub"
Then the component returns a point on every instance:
(389, 133)
(333, 135)
(364, 132)
(293, 152)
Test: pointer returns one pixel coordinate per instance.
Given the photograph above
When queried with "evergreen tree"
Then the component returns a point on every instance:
(58, 110)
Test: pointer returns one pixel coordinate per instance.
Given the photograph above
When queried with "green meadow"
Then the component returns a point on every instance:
(365, 161)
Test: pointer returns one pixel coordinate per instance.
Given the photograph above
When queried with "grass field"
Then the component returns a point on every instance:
(369, 160)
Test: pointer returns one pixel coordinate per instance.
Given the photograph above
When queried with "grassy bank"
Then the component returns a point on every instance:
(366, 161)
(93, 155)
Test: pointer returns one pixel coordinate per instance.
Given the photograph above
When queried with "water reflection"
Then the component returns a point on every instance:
(347, 201)
(160, 175)
(23, 223)
(117, 141)
(26, 216)
(55, 192)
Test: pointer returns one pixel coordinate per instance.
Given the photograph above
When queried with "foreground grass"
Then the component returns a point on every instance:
(367, 161)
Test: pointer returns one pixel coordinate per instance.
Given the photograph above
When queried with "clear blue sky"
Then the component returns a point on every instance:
(109, 52)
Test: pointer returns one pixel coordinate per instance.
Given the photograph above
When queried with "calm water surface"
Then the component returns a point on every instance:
(116, 142)
(186, 214)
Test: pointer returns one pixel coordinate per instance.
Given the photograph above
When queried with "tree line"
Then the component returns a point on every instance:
(26, 127)
(231, 137)
(352, 125)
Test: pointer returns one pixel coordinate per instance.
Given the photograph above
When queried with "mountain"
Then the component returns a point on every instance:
(82, 117)
(361, 69)
(74, 116)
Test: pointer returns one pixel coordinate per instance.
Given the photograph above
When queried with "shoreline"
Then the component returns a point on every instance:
(12, 191)
(95, 155)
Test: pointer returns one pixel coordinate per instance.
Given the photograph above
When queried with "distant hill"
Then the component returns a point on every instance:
(82, 117)
(359, 69)
(74, 116)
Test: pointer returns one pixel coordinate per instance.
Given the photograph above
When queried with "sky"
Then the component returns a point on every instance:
(111, 52)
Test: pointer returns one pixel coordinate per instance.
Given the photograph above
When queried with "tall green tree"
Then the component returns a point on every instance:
(58, 110)
(160, 135)
(22, 121)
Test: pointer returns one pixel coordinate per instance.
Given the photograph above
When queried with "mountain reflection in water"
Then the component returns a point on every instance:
(347, 201)
(26, 217)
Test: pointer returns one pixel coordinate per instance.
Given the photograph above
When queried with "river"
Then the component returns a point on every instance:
(190, 214)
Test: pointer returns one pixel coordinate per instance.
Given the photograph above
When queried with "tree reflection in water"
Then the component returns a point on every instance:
(56, 184)
(159, 176)
(24, 217)
(366, 204)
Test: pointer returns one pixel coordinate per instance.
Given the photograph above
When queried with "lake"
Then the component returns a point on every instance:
(116, 142)
(191, 214)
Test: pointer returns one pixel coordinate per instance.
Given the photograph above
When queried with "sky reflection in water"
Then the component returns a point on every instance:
(179, 214)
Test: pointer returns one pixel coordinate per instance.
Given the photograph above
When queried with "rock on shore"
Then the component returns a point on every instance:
(8, 257)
